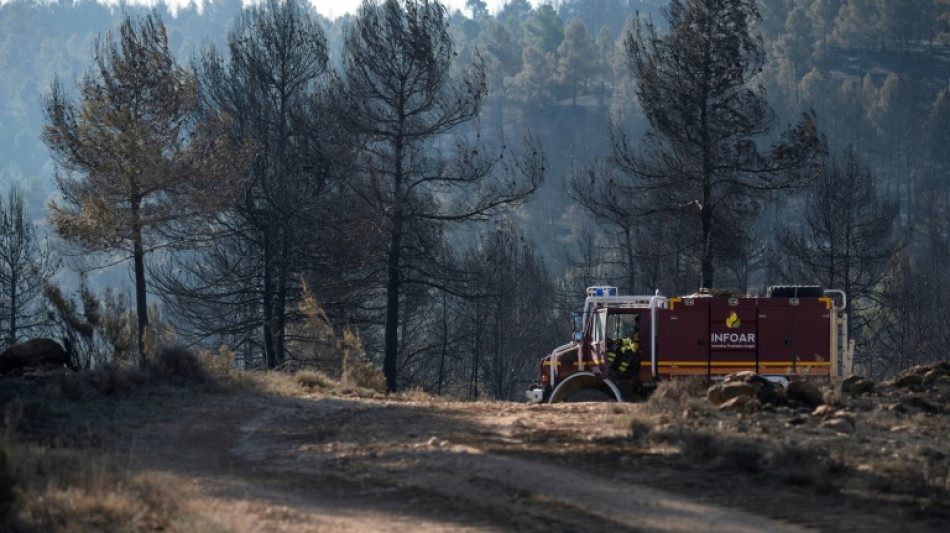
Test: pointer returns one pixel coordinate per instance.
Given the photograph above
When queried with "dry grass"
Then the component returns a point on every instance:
(358, 371)
(414, 395)
(312, 379)
(679, 396)
(45, 489)
(62, 482)
(218, 364)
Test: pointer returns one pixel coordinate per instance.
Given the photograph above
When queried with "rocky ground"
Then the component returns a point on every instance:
(862, 456)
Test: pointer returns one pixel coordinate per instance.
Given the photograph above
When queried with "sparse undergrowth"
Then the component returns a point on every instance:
(882, 444)
(60, 480)
(883, 447)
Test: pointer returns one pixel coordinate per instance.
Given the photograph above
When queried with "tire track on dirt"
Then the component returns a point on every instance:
(488, 489)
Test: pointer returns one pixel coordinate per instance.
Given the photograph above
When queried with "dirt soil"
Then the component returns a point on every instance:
(251, 462)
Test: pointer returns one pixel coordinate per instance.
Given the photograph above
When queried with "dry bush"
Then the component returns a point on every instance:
(639, 426)
(312, 379)
(218, 364)
(61, 490)
(65, 491)
(680, 393)
(700, 447)
(270, 383)
(105, 381)
(358, 371)
(413, 395)
(180, 365)
(739, 456)
(315, 343)
(807, 467)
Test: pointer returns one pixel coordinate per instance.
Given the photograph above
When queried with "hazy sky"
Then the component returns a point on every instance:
(332, 8)
(335, 8)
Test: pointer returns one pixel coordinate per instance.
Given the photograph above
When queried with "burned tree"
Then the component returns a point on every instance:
(132, 159)
(700, 167)
(398, 97)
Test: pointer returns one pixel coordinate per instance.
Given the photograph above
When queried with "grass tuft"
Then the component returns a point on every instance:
(312, 379)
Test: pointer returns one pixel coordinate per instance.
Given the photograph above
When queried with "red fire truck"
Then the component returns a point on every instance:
(792, 332)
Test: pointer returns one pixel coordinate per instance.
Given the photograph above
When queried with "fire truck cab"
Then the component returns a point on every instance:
(624, 345)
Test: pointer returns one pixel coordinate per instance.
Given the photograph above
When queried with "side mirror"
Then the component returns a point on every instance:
(578, 325)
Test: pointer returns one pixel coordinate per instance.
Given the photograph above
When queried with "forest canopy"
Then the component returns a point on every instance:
(520, 194)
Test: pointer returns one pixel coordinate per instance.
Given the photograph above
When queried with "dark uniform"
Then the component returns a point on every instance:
(623, 355)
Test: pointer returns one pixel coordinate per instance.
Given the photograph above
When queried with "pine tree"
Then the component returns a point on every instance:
(132, 160)
(700, 164)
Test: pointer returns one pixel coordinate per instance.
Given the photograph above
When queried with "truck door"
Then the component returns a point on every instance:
(813, 337)
(795, 336)
(682, 333)
(733, 336)
(597, 354)
(777, 334)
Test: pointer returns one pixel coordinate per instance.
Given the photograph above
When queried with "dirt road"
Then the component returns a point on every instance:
(253, 463)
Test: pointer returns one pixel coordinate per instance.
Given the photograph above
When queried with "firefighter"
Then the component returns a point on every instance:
(623, 354)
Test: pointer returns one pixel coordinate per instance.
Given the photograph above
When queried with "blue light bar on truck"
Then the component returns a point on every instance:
(601, 291)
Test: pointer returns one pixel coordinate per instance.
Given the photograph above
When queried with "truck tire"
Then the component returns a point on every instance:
(579, 383)
(590, 394)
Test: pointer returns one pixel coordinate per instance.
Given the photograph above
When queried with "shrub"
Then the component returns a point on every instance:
(805, 467)
(312, 379)
(639, 426)
(105, 381)
(700, 447)
(218, 364)
(358, 371)
(680, 392)
(739, 456)
(180, 365)
(416, 394)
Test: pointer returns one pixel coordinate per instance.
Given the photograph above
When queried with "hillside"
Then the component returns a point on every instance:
(251, 452)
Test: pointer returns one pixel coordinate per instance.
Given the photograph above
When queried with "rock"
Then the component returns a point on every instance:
(857, 385)
(917, 404)
(936, 379)
(748, 384)
(797, 421)
(839, 424)
(805, 392)
(908, 381)
(822, 410)
(720, 393)
(740, 376)
(745, 404)
(32, 354)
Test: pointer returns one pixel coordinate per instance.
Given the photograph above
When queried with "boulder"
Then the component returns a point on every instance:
(839, 424)
(909, 381)
(805, 392)
(746, 384)
(857, 385)
(721, 393)
(33, 354)
(744, 404)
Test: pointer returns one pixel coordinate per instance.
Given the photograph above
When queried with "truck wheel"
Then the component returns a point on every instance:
(590, 395)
